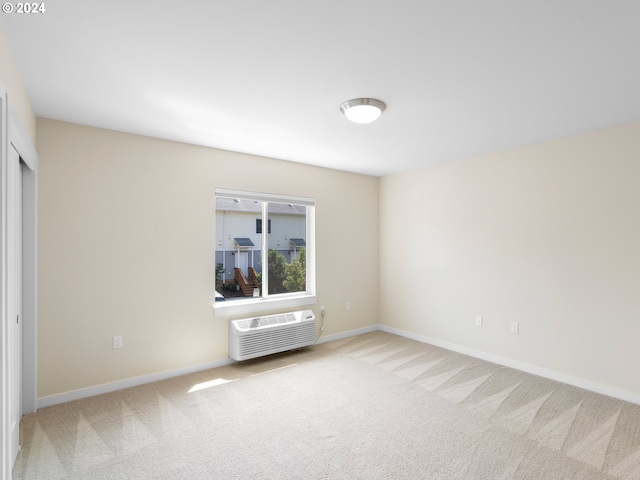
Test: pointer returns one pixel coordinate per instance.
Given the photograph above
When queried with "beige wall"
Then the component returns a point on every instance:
(126, 245)
(18, 99)
(547, 235)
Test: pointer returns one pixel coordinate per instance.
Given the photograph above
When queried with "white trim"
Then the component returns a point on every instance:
(155, 377)
(4, 421)
(525, 367)
(522, 366)
(244, 306)
(28, 154)
(128, 383)
(264, 197)
(21, 141)
(311, 250)
(264, 254)
(347, 334)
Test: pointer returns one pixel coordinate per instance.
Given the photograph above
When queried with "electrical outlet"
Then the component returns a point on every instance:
(478, 321)
(117, 342)
(323, 310)
(348, 306)
(515, 327)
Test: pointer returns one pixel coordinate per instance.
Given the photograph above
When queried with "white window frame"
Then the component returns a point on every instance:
(280, 300)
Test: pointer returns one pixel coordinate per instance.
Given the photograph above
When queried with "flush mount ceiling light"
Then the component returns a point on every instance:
(362, 110)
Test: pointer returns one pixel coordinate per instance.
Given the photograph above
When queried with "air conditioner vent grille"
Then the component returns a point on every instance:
(255, 337)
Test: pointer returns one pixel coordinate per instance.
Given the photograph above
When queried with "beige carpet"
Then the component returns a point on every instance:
(376, 406)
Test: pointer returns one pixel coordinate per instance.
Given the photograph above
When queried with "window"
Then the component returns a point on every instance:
(257, 270)
(259, 225)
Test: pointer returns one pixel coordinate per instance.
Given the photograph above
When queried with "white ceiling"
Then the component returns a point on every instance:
(460, 77)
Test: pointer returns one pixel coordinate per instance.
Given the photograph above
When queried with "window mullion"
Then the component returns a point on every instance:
(310, 250)
(265, 251)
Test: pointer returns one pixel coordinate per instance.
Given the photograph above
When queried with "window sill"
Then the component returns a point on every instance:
(241, 307)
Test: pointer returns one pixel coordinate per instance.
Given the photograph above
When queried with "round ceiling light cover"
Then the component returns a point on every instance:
(363, 110)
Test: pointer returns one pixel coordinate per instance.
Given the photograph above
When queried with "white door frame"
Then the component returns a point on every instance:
(14, 301)
(21, 142)
(12, 133)
(4, 421)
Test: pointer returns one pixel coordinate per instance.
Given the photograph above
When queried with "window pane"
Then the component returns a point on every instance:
(287, 248)
(259, 225)
(238, 248)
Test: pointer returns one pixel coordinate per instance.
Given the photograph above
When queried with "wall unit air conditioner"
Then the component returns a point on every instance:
(255, 337)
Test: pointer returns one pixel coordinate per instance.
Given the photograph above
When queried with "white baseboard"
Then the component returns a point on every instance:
(525, 367)
(155, 377)
(507, 362)
(350, 333)
(128, 383)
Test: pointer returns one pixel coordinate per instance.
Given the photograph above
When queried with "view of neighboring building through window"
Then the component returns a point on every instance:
(253, 263)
